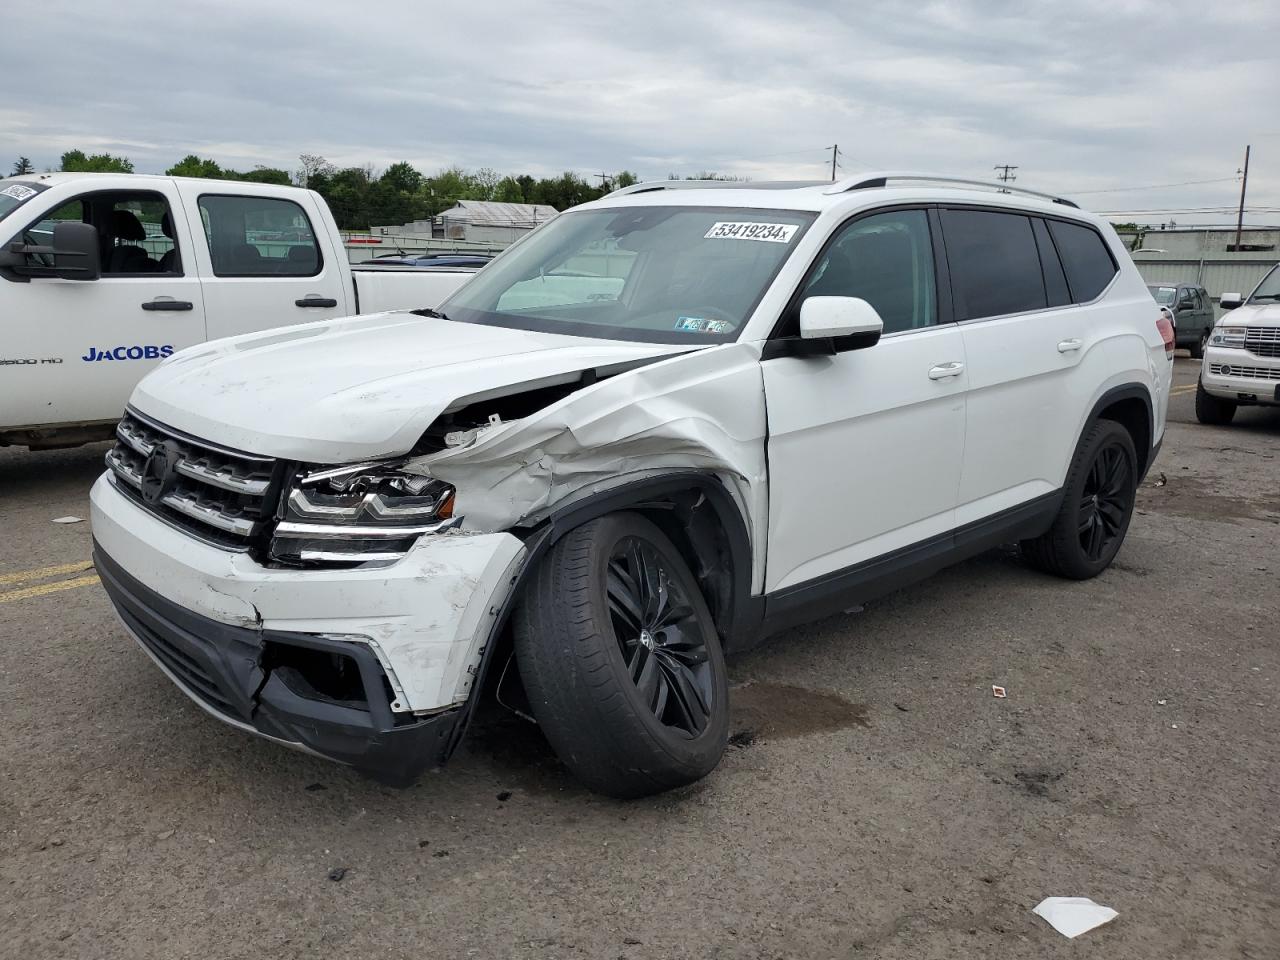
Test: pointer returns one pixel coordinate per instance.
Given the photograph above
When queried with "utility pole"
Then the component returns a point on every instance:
(835, 152)
(604, 180)
(1006, 172)
(1243, 183)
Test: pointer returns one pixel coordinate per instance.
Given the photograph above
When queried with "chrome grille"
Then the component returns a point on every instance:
(218, 495)
(1262, 341)
(1235, 370)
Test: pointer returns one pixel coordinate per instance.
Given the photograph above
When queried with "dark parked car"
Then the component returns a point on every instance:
(1192, 313)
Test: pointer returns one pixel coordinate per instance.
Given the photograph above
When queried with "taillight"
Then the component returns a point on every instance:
(1165, 326)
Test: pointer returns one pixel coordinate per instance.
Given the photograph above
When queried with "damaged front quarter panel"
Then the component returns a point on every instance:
(702, 410)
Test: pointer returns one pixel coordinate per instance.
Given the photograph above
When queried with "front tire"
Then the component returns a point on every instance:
(1097, 504)
(1198, 347)
(620, 659)
(1213, 411)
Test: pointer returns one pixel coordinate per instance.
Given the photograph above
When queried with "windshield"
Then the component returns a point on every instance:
(14, 193)
(1269, 289)
(1164, 295)
(656, 274)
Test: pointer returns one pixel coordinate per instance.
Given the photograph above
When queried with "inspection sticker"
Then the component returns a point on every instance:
(702, 325)
(18, 192)
(768, 232)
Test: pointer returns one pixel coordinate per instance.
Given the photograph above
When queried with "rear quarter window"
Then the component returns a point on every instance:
(1085, 258)
(994, 263)
(259, 237)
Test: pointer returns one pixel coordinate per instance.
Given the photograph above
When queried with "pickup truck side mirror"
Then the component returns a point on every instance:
(74, 255)
(1229, 301)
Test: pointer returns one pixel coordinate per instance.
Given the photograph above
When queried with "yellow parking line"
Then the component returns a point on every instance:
(1188, 388)
(44, 573)
(41, 589)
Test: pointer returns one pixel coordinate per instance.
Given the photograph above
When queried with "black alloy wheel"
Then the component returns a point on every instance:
(1096, 506)
(620, 658)
(663, 643)
(1106, 501)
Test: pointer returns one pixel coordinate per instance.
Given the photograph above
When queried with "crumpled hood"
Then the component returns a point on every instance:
(339, 391)
(1253, 314)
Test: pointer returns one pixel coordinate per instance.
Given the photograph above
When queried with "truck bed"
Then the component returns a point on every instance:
(387, 287)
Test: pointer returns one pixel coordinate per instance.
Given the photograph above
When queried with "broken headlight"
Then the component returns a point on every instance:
(359, 514)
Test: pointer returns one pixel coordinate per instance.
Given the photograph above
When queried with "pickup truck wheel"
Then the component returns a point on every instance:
(621, 661)
(1211, 410)
(1097, 504)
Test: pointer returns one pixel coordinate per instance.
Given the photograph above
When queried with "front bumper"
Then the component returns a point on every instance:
(240, 638)
(1250, 379)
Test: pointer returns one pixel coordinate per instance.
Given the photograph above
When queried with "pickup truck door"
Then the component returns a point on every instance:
(268, 258)
(82, 346)
(865, 447)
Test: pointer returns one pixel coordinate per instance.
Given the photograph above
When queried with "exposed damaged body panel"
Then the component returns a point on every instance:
(700, 411)
(342, 391)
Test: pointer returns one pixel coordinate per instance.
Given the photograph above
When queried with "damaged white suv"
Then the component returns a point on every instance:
(659, 428)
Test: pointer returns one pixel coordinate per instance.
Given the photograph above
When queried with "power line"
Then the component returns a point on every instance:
(1153, 186)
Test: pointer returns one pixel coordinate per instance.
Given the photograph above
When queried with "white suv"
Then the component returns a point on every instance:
(659, 428)
(1241, 364)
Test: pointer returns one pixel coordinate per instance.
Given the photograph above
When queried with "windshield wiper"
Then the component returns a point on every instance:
(1265, 296)
(428, 312)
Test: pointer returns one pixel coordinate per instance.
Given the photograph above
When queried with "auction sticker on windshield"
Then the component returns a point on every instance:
(768, 232)
(18, 192)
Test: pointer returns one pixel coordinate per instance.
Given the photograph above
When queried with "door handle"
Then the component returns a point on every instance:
(168, 303)
(314, 301)
(944, 370)
(1066, 346)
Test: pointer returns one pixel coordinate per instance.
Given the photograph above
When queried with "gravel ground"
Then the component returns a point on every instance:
(878, 800)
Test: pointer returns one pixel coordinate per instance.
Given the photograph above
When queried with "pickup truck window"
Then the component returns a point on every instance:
(14, 193)
(135, 231)
(259, 237)
(653, 274)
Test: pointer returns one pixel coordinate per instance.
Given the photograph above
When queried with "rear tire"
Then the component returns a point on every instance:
(1213, 411)
(1097, 504)
(620, 659)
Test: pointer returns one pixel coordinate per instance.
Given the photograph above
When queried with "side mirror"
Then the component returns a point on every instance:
(1229, 301)
(73, 255)
(76, 254)
(850, 322)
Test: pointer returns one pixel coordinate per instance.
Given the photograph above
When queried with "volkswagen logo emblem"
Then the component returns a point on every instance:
(159, 472)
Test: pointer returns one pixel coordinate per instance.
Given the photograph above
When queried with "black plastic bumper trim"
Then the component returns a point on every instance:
(220, 666)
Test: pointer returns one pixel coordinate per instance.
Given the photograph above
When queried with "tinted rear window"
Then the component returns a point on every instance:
(995, 267)
(1085, 258)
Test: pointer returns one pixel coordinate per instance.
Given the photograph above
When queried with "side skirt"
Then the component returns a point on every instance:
(838, 591)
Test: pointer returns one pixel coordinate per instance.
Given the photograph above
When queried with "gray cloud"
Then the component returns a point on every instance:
(1084, 96)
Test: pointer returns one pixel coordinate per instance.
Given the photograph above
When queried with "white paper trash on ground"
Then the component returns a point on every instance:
(1072, 916)
(67, 520)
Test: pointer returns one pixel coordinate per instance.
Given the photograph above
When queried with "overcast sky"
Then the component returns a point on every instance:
(1087, 95)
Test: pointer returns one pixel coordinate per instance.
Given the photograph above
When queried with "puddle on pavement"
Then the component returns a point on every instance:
(779, 711)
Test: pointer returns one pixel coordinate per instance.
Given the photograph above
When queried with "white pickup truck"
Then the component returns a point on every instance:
(104, 275)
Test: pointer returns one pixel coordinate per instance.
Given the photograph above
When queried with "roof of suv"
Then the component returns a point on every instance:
(819, 195)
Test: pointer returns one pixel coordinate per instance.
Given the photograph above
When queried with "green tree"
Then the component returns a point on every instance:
(22, 166)
(75, 161)
(625, 179)
(508, 191)
(402, 178)
(193, 166)
(309, 166)
(261, 174)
